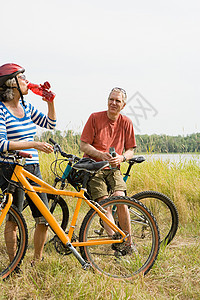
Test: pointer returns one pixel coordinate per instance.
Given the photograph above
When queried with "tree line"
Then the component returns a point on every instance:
(70, 142)
(168, 144)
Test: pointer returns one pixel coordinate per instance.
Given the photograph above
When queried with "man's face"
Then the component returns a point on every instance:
(115, 103)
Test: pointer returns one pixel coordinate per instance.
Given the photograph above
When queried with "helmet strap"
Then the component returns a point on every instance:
(18, 87)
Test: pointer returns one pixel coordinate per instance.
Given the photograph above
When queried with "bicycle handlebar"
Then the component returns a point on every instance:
(57, 148)
(24, 154)
(16, 154)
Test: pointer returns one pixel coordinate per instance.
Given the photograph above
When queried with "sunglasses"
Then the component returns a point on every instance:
(23, 77)
(120, 89)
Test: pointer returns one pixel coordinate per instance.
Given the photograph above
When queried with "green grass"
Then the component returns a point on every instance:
(176, 273)
(179, 181)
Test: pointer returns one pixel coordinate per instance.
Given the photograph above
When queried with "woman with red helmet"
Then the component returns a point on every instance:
(18, 120)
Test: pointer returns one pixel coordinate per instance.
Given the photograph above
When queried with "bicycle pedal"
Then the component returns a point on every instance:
(117, 254)
(86, 266)
(99, 232)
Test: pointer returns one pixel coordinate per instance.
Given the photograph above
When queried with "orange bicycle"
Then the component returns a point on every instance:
(109, 255)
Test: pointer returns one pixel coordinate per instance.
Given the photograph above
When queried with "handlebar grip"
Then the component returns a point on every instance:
(52, 141)
(65, 154)
(24, 154)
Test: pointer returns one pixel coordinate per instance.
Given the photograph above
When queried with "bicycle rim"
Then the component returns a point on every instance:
(7, 266)
(164, 211)
(122, 264)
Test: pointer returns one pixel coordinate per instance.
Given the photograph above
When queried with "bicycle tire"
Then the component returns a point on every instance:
(58, 207)
(7, 266)
(59, 204)
(144, 233)
(165, 212)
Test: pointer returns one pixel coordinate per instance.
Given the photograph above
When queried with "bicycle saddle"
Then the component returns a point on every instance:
(90, 165)
(137, 159)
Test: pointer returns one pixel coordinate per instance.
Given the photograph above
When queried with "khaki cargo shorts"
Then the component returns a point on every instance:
(105, 182)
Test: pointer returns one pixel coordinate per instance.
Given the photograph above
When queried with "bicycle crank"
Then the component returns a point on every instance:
(60, 247)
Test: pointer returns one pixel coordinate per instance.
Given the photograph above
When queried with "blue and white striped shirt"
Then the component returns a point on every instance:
(22, 129)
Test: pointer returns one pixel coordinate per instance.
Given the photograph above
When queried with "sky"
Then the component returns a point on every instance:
(85, 48)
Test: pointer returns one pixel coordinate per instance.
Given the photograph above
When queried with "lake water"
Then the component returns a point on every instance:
(175, 158)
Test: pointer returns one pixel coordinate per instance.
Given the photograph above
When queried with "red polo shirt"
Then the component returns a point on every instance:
(103, 133)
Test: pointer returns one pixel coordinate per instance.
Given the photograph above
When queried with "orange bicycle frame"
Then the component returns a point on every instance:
(21, 175)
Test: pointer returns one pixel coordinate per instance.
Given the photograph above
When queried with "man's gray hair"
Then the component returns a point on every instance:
(119, 90)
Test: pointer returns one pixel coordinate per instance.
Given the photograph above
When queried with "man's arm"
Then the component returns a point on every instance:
(114, 161)
(118, 159)
(128, 154)
(93, 152)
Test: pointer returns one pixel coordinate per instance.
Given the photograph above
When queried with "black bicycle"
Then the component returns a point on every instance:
(161, 206)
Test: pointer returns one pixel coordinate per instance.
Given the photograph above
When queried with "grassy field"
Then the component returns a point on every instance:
(176, 273)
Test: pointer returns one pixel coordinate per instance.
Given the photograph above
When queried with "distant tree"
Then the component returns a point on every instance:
(70, 142)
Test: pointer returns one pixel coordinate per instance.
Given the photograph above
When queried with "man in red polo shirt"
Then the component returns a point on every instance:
(104, 130)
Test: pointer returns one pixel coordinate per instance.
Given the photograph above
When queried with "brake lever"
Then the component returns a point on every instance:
(57, 148)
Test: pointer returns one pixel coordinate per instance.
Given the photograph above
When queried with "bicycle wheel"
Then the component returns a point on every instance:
(116, 261)
(165, 212)
(58, 207)
(16, 254)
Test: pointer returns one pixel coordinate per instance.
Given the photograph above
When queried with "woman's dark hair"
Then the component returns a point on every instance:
(6, 92)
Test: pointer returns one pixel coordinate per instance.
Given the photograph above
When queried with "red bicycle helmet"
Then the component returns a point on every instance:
(9, 71)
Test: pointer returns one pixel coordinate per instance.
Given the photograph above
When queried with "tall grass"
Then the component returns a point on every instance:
(176, 273)
(179, 181)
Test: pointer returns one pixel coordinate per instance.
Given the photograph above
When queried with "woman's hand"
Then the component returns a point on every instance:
(44, 147)
(45, 100)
